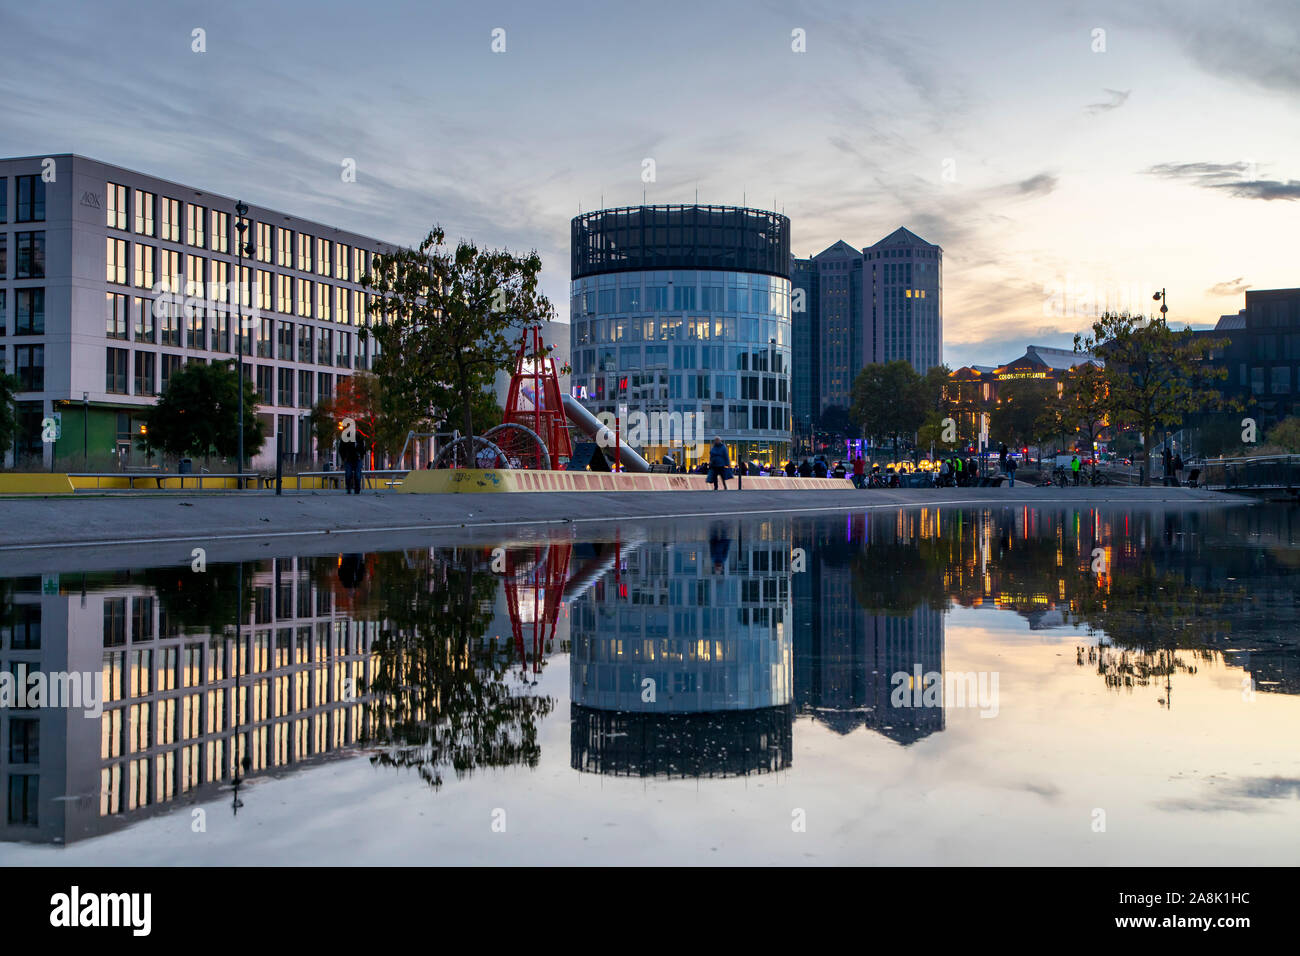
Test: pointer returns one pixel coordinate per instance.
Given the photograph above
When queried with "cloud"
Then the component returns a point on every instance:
(1233, 287)
(1039, 185)
(1238, 180)
(1117, 99)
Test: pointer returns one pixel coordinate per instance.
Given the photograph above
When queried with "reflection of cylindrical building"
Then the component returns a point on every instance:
(685, 310)
(682, 665)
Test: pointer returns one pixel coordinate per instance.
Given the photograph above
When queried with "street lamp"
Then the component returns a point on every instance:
(85, 430)
(1164, 304)
(241, 227)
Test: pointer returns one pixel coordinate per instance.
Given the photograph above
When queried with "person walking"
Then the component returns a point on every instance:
(719, 462)
(1075, 466)
(1002, 456)
(805, 469)
(1169, 465)
(1178, 470)
(859, 471)
(1011, 471)
(819, 467)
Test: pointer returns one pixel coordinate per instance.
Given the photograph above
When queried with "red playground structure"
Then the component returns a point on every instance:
(534, 402)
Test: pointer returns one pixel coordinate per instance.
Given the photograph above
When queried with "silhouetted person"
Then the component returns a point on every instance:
(352, 454)
(719, 462)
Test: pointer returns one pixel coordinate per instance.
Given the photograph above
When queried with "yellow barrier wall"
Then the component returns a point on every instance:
(469, 480)
(35, 484)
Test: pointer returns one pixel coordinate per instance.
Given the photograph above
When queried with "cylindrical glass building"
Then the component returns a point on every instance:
(685, 310)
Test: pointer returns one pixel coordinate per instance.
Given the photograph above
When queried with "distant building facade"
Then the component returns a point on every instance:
(1262, 357)
(84, 248)
(685, 310)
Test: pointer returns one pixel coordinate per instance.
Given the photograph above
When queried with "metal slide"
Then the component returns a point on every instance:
(591, 426)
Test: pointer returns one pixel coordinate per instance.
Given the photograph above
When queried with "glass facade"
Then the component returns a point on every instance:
(706, 345)
(714, 345)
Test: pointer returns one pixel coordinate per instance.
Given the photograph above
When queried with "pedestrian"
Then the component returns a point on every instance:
(805, 469)
(1169, 465)
(1011, 471)
(1002, 456)
(859, 471)
(719, 462)
(1075, 466)
(1178, 470)
(819, 467)
(839, 471)
(351, 454)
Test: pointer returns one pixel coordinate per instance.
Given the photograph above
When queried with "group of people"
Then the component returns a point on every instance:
(1173, 468)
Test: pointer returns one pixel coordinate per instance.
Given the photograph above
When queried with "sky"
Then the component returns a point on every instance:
(1060, 168)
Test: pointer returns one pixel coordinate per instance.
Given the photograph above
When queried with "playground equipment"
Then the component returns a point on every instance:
(534, 432)
(603, 436)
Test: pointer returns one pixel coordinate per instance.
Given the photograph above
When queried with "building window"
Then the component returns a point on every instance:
(170, 327)
(169, 269)
(344, 357)
(284, 387)
(144, 203)
(144, 372)
(264, 383)
(115, 306)
(115, 371)
(304, 252)
(304, 343)
(304, 390)
(284, 293)
(304, 298)
(195, 274)
(195, 220)
(115, 261)
(24, 795)
(31, 199)
(323, 299)
(4, 316)
(342, 312)
(284, 341)
(142, 309)
(341, 257)
(323, 247)
(262, 241)
(145, 260)
(171, 219)
(264, 336)
(196, 333)
(220, 331)
(284, 248)
(4, 255)
(359, 264)
(4, 198)
(265, 290)
(324, 347)
(29, 318)
(220, 237)
(170, 364)
(29, 365)
(115, 204)
(29, 255)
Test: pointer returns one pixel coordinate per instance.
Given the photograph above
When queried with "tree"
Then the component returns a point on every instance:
(198, 414)
(9, 384)
(1017, 417)
(1086, 403)
(1154, 375)
(448, 321)
(889, 400)
(1286, 434)
(360, 397)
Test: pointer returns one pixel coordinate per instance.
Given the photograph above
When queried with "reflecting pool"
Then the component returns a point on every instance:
(992, 685)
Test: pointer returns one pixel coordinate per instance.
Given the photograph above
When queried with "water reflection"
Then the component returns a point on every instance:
(693, 651)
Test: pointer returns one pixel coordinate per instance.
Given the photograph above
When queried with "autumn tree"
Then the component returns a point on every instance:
(1154, 375)
(446, 321)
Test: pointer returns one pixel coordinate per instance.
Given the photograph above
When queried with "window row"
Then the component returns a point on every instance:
(149, 373)
(666, 328)
(161, 218)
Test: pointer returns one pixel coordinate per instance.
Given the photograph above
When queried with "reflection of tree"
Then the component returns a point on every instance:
(199, 601)
(895, 577)
(441, 697)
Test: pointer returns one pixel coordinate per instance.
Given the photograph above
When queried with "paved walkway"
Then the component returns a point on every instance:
(173, 518)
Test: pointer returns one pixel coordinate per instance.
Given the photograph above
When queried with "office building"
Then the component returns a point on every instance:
(904, 300)
(685, 310)
(1262, 356)
(86, 248)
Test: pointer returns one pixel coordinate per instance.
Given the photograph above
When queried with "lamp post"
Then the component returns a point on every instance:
(85, 430)
(241, 227)
(1164, 305)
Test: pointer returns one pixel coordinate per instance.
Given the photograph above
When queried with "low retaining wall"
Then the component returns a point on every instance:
(35, 483)
(439, 481)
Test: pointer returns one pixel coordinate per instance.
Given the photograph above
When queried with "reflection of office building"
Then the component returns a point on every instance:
(182, 708)
(680, 661)
(685, 310)
(845, 655)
